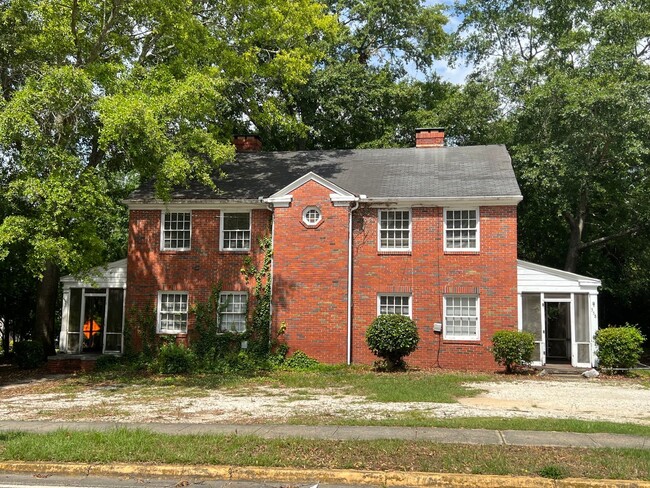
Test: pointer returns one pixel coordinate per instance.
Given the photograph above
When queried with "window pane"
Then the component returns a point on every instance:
(394, 229)
(462, 229)
(398, 304)
(236, 231)
(233, 307)
(461, 317)
(173, 313)
(177, 230)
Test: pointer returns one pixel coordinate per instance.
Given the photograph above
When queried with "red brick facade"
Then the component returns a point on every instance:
(310, 274)
(150, 270)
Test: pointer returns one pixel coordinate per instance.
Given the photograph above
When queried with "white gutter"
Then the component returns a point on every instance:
(352, 209)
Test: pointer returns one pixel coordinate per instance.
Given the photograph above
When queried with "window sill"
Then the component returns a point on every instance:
(393, 253)
(462, 252)
(468, 342)
(175, 251)
(234, 251)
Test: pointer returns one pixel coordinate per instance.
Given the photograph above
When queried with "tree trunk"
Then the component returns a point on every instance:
(46, 294)
(576, 226)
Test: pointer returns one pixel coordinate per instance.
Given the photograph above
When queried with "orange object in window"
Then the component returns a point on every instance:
(91, 328)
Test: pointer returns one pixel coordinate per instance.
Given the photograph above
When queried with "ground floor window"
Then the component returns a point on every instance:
(399, 304)
(233, 307)
(461, 319)
(172, 312)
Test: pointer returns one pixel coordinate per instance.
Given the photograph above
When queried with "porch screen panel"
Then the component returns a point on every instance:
(582, 327)
(114, 320)
(531, 305)
(74, 320)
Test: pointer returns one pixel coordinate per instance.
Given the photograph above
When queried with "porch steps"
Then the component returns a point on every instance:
(561, 370)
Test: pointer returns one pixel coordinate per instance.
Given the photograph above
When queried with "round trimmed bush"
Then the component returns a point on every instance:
(619, 347)
(392, 337)
(512, 348)
(175, 359)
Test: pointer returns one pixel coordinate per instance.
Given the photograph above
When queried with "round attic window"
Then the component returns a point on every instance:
(311, 216)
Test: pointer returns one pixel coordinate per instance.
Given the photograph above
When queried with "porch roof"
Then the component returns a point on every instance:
(110, 275)
(535, 278)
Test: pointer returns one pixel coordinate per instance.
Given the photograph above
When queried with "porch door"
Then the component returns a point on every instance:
(94, 319)
(558, 331)
(582, 346)
(531, 313)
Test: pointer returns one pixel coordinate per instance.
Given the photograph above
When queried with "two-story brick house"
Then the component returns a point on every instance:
(429, 232)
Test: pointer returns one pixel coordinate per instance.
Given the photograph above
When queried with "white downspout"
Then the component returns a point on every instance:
(352, 209)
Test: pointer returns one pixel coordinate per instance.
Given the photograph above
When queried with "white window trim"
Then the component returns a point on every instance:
(410, 229)
(478, 230)
(476, 337)
(304, 216)
(159, 311)
(221, 231)
(162, 231)
(409, 295)
(239, 293)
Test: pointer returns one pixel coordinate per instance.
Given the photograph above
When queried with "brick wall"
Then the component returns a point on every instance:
(310, 275)
(427, 273)
(195, 271)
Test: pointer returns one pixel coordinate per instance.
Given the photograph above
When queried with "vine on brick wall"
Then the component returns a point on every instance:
(260, 325)
(142, 321)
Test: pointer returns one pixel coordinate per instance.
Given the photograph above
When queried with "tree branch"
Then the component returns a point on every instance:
(603, 240)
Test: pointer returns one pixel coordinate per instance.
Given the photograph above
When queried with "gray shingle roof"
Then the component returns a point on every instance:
(470, 171)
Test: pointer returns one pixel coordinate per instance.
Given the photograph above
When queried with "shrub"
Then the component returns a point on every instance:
(29, 354)
(174, 359)
(512, 348)
(300, 361)
(107, 362)
(392, 337)
(619, 347)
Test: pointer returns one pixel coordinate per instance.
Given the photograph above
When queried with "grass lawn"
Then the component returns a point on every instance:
(145, 447)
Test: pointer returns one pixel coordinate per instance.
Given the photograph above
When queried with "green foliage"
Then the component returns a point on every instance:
(553, 472)
(259, 331)
(619, 347)
(142, 321)
(392, 337)
(513, 349)
(300, 361)
(174, 359)
(108, 362)
(29, 354)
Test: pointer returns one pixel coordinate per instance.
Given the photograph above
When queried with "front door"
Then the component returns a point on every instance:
(558, 331)
(93, 323)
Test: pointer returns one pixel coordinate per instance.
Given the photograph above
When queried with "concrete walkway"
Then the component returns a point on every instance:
(334, 432)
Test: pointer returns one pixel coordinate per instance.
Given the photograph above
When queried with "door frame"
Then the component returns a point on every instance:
(92, 294)
(571, 324)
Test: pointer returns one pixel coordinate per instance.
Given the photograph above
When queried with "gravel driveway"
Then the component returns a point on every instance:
(579, 399)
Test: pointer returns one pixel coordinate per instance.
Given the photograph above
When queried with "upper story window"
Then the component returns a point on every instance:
(461, 320)
(311, 216)
(399, 304)
(233, 311)
(461, 230)
(235, 231)
(394, 230)
(176, 231)
(172, 312)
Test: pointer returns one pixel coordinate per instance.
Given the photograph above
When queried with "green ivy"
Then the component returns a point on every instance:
(259, 330)
(143, 322)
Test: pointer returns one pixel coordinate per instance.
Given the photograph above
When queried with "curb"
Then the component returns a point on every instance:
(331, 476)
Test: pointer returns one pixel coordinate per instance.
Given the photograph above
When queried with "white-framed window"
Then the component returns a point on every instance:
(235, 231)
(176, 231)
(233, 306)
(461, 319)
(394, 230)
(311, 216)
(462, 229)
(172, 312)
(394, 303)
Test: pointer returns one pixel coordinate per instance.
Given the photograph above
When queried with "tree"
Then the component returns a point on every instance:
(98, 94)
(574, 79)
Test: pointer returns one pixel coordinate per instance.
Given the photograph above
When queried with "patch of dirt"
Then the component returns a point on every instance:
(529, 398)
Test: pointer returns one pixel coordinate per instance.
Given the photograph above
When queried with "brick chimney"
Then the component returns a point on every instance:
(247, 143)
(430, 137)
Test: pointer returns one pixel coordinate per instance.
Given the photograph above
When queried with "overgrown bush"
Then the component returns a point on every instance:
(29, 354)
(300, 361)
(107, 362)
(619, 347)
(174, 359)
(513, 349)
(392, 337)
